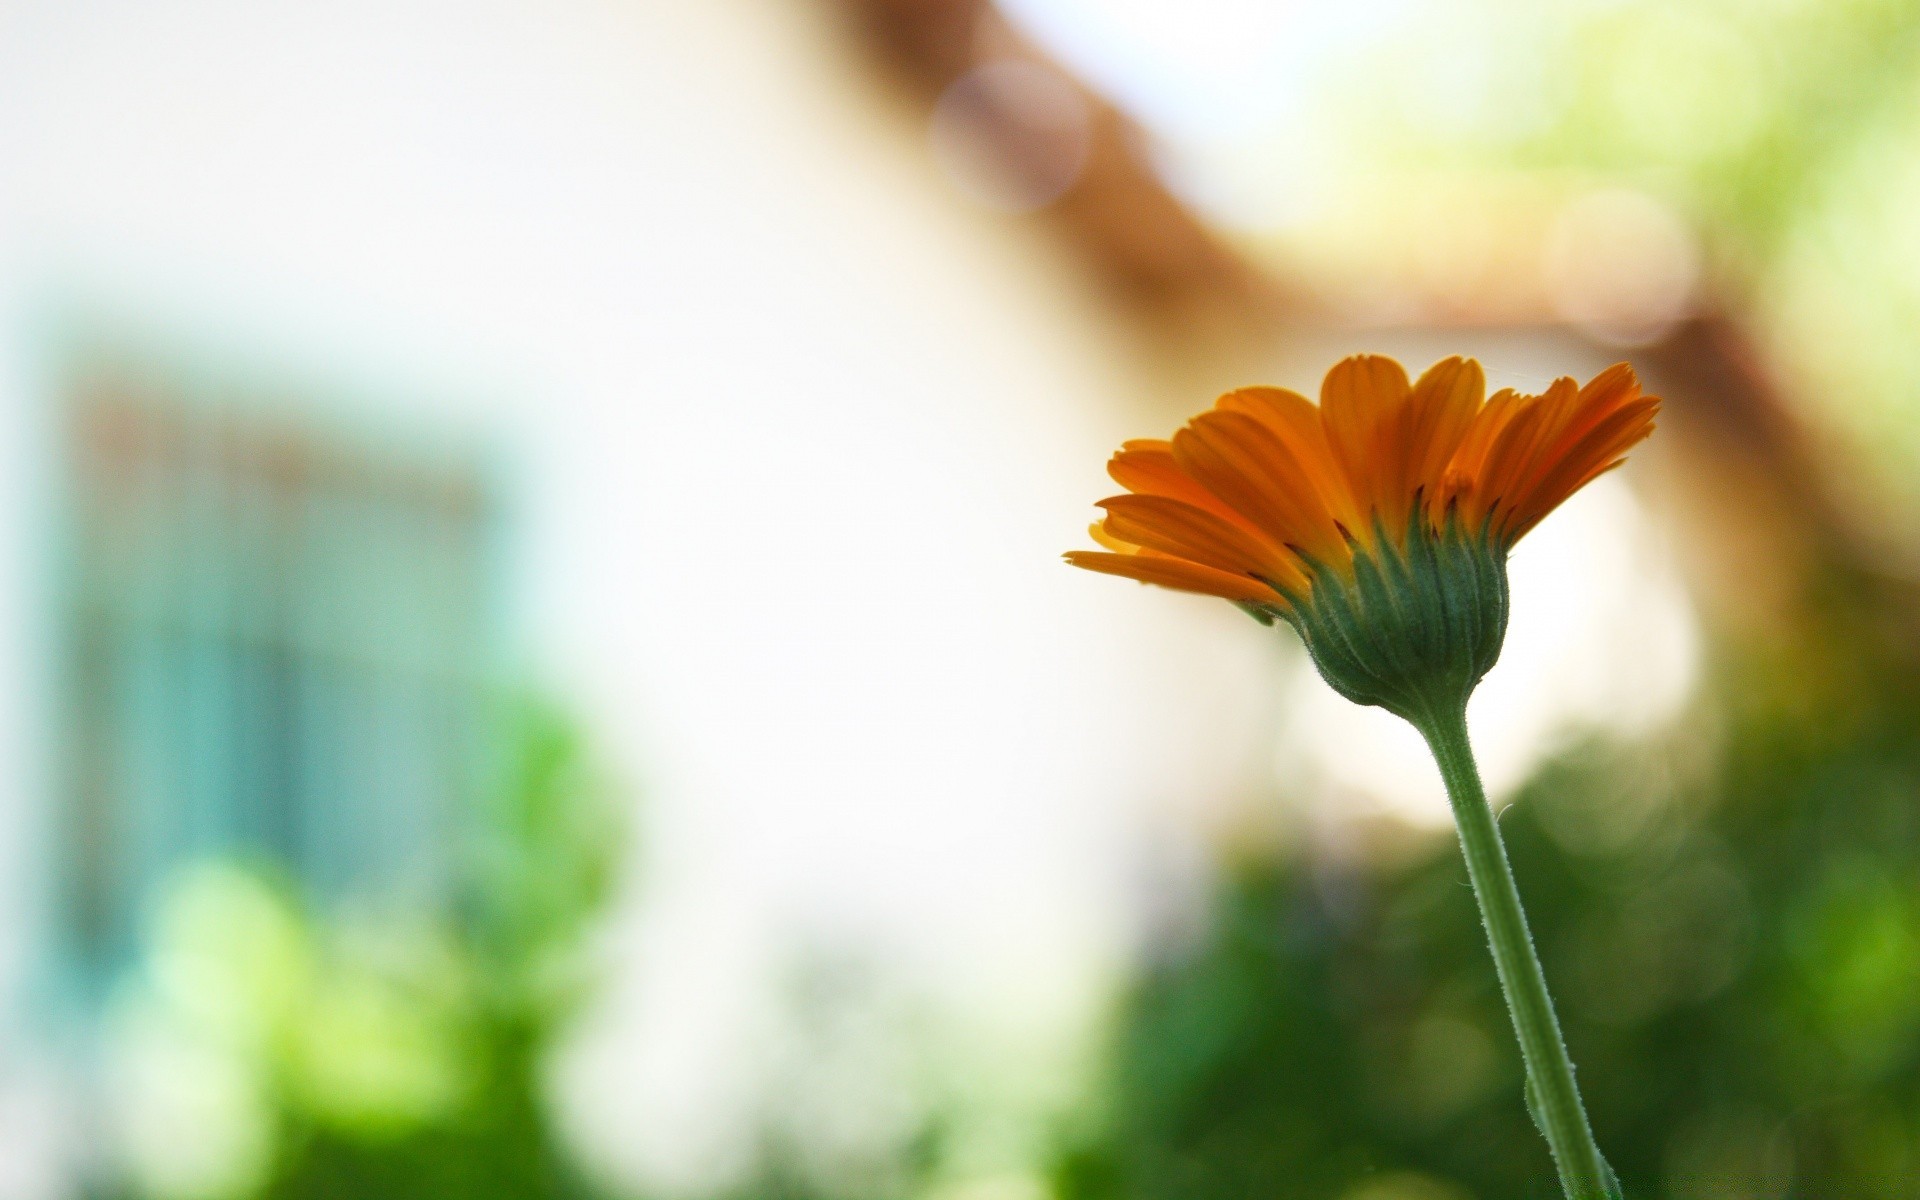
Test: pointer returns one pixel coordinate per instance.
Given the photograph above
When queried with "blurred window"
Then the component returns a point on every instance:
(275, 637)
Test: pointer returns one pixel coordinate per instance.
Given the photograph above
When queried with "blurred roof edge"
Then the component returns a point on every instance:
(1155, 253)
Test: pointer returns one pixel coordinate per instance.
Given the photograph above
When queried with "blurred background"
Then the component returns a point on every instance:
(534, 662)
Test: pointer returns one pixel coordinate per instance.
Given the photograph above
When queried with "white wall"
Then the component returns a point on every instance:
(797, 437)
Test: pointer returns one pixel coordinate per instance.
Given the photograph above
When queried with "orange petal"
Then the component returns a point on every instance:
(1177, 574)
(1176, 528)
(1099, 534)
(1526, 437)
(1468, 466)
(1150, 469)
(1557, 443)
(1360, 397)
(1613, 391)
(1470, 457)
(1615, 384)
(1598, 450)
(1241, 461)
(1440, 411)
(1295, 421)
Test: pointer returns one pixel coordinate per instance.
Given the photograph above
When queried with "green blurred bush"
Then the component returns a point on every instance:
(264, 1050)
(1733, 935)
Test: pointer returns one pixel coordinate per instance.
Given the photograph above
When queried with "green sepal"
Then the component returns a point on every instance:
(1415, 623)
(1258, 612)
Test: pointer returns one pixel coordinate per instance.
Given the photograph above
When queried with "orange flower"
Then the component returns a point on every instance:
(1256, 496)
(1378, 526)
(1378, 523)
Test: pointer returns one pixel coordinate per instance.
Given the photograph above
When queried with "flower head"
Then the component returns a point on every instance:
(1377, 523)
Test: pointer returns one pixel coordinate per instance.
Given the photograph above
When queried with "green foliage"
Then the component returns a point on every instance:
(496, 1144)
(375, 1054)
(544, 862)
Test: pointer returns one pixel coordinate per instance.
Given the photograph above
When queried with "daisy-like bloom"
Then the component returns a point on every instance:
(1377, 523)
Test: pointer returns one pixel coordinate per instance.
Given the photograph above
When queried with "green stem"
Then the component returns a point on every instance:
(1552, 1094)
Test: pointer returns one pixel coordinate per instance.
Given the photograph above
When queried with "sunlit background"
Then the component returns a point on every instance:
(534, 660)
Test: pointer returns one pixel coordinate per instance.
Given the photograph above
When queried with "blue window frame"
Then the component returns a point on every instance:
(277, 642)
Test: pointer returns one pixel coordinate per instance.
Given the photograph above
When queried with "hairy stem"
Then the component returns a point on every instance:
(1551, 1091)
